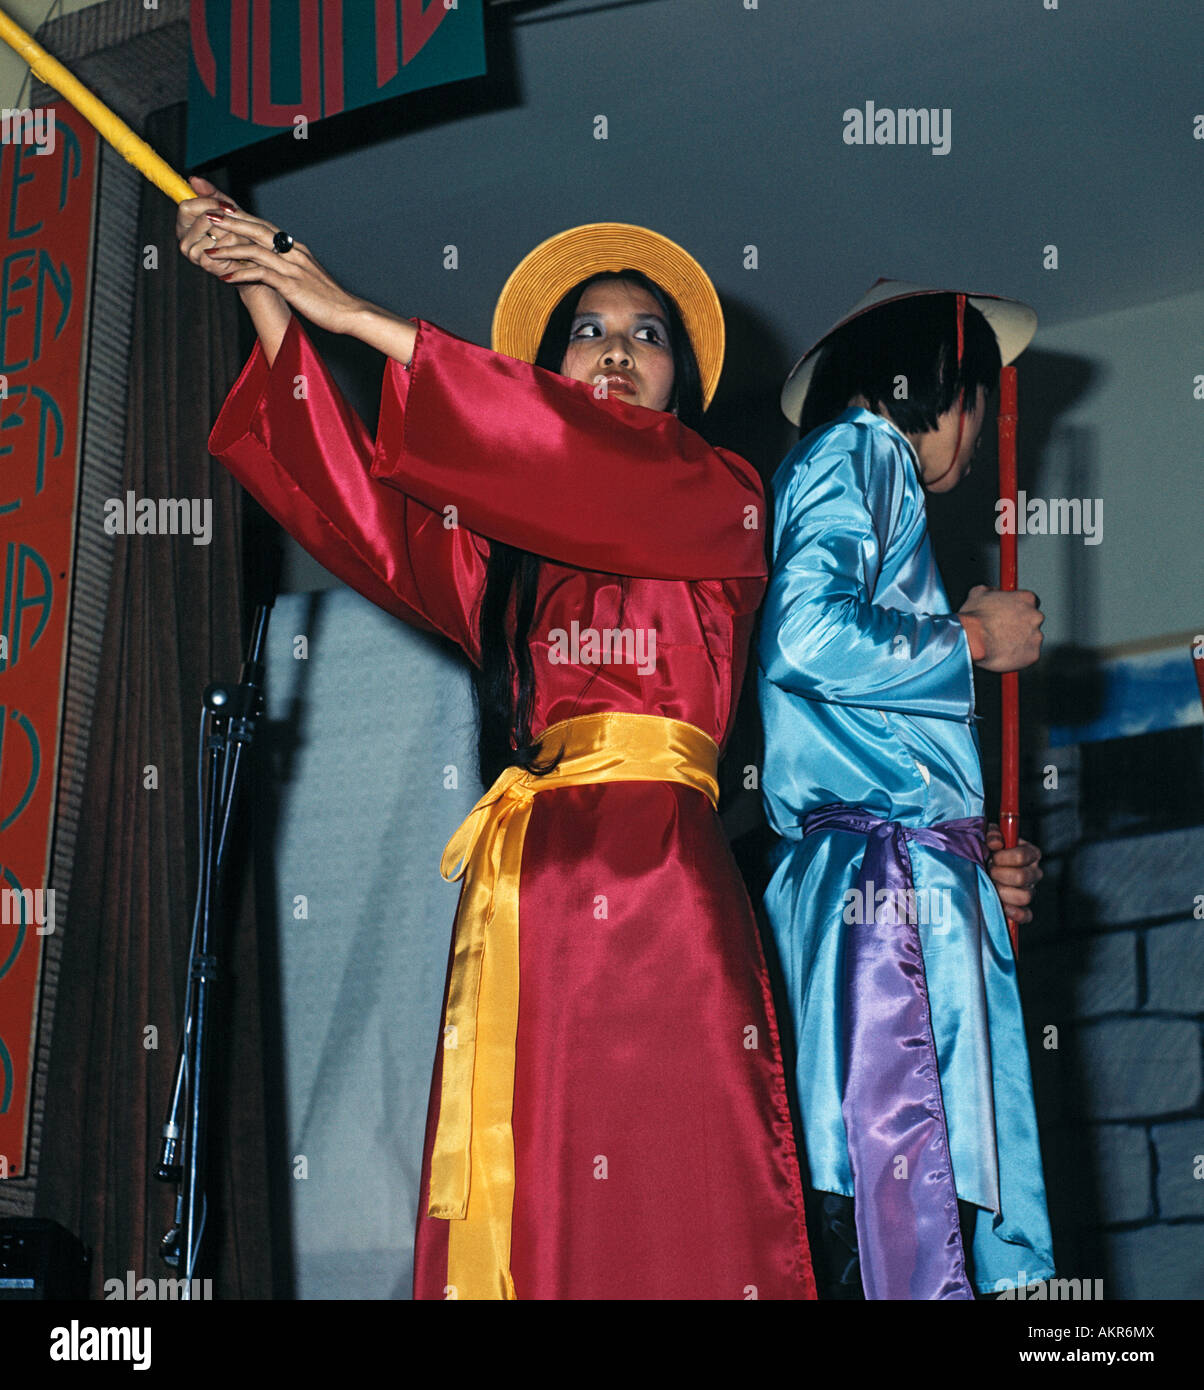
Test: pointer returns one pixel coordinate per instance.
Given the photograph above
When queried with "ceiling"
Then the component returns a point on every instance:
(1070, 127)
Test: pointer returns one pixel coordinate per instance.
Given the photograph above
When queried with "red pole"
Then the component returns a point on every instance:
(1009, 805)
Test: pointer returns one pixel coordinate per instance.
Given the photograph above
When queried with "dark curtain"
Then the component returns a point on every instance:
(174, 623)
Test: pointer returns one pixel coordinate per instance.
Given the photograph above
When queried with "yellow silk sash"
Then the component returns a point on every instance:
(472, 1164)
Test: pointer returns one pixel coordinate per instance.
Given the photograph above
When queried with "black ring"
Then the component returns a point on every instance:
(282, 242)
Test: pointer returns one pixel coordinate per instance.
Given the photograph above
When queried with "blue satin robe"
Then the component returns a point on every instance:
(867, 696)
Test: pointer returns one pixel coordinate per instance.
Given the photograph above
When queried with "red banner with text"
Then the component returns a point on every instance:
(48, 164)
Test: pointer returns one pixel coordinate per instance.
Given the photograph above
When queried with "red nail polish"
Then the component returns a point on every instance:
(215, 216)
(225, 277)
(222, 203)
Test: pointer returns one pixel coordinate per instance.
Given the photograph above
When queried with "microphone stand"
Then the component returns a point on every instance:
(230, 712)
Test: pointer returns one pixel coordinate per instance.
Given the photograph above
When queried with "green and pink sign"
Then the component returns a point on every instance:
(260, 67)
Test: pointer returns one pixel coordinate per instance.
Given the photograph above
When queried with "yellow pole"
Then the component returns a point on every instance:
(131, 148)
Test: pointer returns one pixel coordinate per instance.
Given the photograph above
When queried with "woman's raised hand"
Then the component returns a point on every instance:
(216, 234)
(195, 232)
(219, 236)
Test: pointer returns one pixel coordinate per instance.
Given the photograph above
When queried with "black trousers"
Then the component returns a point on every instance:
(831, 1222)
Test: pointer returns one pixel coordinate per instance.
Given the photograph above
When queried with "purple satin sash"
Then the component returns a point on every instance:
(908, 1233)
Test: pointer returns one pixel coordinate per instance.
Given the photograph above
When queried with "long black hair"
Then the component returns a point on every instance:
(914, 339)
(504, 683)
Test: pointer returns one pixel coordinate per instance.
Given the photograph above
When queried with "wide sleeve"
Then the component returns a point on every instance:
(532, 459)
(291, 439)
(824, 635)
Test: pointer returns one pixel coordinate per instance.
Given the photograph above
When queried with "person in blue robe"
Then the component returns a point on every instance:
(913, 1077)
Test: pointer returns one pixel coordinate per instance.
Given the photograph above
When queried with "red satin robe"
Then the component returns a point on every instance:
(654, 1156)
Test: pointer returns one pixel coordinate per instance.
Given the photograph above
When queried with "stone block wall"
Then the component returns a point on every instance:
(1112, 977)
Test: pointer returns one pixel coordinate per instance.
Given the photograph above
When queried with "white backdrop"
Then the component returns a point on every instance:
(377, 714)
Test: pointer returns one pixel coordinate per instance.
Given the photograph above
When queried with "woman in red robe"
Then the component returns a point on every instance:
(608, 1114)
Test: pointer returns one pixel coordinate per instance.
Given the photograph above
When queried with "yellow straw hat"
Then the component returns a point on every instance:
(544, 276)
